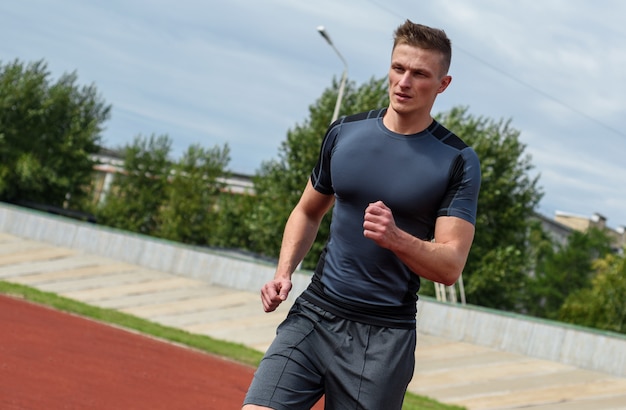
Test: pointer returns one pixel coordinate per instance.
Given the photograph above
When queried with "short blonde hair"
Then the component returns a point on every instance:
(428, 38)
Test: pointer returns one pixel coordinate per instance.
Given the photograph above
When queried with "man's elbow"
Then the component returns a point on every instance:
(445, 272)
(452, 275)
(449, 281)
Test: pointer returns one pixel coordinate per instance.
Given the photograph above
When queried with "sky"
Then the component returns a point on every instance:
(243, 73)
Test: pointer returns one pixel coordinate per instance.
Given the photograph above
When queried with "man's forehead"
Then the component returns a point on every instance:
(415, 54)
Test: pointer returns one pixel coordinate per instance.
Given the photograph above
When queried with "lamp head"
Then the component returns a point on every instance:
(323, 33)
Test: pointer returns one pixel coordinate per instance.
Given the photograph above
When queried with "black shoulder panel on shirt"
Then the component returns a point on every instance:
(447, 137)
(362, 116)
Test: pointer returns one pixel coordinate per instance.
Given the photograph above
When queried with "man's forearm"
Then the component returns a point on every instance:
(298, 237)
(442, 263)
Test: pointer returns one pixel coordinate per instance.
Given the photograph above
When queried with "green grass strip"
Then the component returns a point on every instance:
(233, 351)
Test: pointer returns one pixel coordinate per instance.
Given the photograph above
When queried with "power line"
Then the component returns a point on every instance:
(543, 93)
(517, 80)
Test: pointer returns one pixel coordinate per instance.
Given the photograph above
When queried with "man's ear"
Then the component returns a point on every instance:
(445, 82)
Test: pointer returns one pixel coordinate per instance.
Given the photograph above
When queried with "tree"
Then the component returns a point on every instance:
(138, 194)
(190, 206)
(280, 182)
(497, 267)
(602, 305)
(233, 227)
(542, 247)
(565, 271)
(47, 133)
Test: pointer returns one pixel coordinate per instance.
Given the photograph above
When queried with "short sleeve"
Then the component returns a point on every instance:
(461, 199)
(321, 178)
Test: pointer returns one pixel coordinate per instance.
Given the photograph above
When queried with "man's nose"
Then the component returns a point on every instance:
(405, 80)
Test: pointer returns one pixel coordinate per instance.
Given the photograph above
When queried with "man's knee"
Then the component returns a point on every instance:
(255, 407)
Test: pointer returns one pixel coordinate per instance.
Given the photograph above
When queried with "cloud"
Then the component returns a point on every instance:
(243, 73)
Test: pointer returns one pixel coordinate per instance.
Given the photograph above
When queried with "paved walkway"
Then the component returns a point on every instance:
(459, 373)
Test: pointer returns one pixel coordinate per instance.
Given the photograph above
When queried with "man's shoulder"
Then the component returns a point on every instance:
(445, 136)
(362, 116)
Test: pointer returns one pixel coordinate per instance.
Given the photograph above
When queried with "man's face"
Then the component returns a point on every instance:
(415, 78)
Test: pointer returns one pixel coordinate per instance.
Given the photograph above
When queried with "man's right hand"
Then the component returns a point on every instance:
(274, 292)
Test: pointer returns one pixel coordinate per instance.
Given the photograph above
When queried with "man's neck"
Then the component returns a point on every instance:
(406, 124)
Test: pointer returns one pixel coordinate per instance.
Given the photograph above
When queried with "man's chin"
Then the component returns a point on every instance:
(401, 109)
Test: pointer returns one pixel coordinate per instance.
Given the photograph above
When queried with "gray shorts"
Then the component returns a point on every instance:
(356, 366)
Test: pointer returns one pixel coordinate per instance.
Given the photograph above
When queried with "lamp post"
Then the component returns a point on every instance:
(344, 76)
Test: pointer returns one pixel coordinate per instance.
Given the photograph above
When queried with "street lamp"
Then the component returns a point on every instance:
(344, 76)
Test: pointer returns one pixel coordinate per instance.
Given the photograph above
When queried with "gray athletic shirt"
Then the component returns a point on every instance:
(419, 177)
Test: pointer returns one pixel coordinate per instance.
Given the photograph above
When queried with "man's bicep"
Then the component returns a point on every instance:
(456, 232)
(314, 203)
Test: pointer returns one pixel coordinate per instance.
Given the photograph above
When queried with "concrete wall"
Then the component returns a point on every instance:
(554, 341)
(601, 351)
(219, 268)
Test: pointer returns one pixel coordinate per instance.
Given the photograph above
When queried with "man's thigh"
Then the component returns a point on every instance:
(290, 375)
(373, 370)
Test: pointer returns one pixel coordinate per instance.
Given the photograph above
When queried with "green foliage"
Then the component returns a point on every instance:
(602, 305)
(496, 269)
(161, 197)
(498, 279)
(280, 182)
(137, 196)
(47, 132)
(187, 214)
(508, 196)
(232, 229)
(566, 270)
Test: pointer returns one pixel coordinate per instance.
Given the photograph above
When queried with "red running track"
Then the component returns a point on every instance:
(52, 360)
